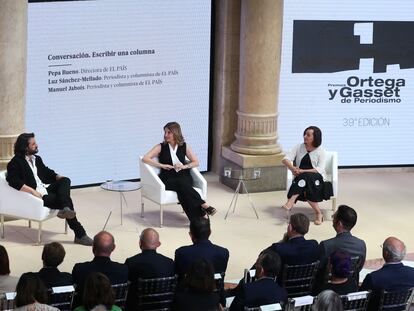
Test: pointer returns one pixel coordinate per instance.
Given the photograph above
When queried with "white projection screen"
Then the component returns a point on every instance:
(105, 76)
(348, 67)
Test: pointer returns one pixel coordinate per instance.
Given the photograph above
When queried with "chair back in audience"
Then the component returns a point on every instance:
(303, 303)
(357, 301)
(298, 280)
(271, 307)
(121, 292)
(400, 300)
(219, 280)
(156, 294)
(61, 297)
(7, 301)
(249, 275)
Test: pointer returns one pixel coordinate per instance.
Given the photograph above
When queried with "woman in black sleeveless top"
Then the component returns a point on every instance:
(175, 170)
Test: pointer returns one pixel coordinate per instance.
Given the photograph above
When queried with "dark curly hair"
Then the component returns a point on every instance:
(22, 141)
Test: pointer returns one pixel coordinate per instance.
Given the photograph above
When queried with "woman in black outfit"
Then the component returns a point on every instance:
(175, 170)
(341, 281)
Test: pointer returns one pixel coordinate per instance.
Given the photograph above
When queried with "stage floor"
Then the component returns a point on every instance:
(381, 197)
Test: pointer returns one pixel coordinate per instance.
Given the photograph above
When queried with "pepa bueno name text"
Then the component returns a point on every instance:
(367, 90)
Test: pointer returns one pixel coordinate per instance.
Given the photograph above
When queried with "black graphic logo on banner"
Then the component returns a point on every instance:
(332, 46)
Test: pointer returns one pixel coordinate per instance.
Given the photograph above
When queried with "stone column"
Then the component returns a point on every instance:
(226, 77)
(256, 135)
(13, 50)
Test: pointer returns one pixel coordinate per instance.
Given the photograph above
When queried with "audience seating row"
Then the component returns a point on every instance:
(357, 301)
(61, 297)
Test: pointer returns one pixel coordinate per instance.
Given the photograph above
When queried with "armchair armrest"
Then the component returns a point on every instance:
(20, 204)
(152, 186)
(199, 182)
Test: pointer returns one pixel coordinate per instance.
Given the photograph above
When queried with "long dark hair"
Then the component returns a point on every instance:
(4, 261)
(22, 141)
(200, 277)
(98, 291)
(30, 289)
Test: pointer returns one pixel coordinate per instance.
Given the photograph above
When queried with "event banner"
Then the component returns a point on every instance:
(349, 69)
(104, 77)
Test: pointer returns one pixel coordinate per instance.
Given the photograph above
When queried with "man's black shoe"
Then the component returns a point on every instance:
(66, 213)
(85, 240)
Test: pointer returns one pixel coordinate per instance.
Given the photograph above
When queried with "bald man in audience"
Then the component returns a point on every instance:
(102, 248)
(146, 265)
(393, 276)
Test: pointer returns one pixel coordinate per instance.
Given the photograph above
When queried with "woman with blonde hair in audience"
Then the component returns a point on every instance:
(7, 282)
(31, 294)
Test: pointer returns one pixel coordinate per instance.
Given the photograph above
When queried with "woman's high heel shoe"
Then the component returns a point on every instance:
(319, 219)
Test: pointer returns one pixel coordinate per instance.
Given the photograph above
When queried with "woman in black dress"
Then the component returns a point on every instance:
(175, 170)
(307, 163)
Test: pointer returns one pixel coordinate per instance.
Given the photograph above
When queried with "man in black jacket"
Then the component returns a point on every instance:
(103, 246)
(26, 172)
(52, 256)
(146, 265)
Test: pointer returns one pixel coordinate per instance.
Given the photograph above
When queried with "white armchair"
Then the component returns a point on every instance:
(22, 205)
(153, 188)
(331, 169)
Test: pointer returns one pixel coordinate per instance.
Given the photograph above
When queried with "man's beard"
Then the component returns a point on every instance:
(32, 152)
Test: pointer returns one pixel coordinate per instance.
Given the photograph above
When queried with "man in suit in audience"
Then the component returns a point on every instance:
(26, 172)
(265, 289)
(201, 248)
(294, 249)
(147, 265)
(343, 221)
(103, 246)
(52, 256)
(393, 276)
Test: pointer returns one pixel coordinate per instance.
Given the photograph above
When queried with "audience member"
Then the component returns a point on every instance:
(52, 256)
(199, 293)
(147, 265)
(31, 294)
(343, 221)
(294, 249)
(202, 248)
(7, 282)
(328, 300)
(98, 293)
(341, 282)
(265, 289)
(393, 276)
(103, 246)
